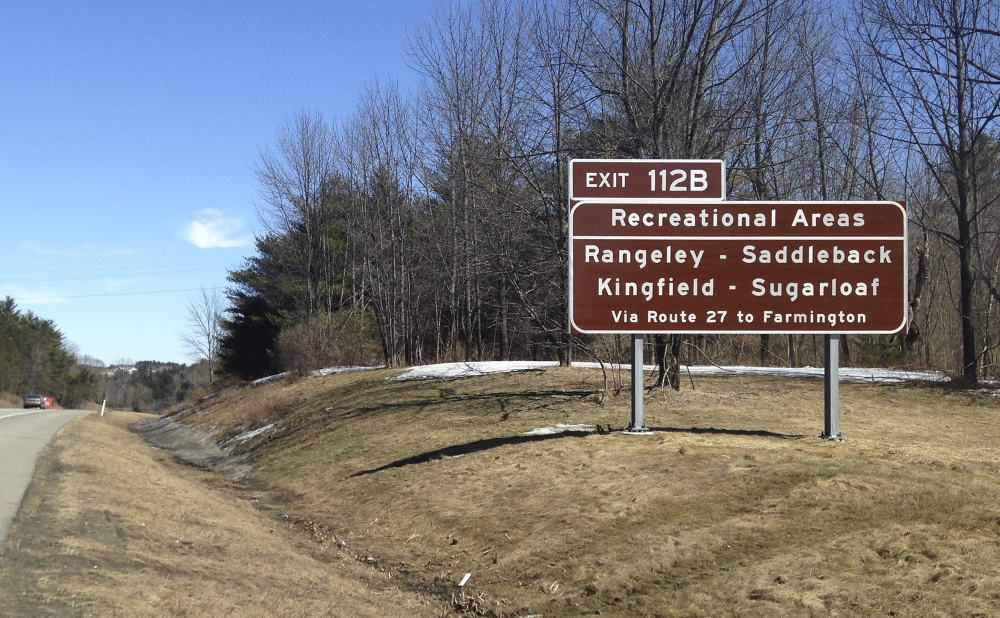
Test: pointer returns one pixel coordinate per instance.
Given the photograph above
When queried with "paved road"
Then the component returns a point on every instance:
(23, 435)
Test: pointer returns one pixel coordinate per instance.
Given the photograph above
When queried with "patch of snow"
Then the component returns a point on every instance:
(269, 379)
(847, 374)
(249, 435)
(558, 428)
(612, 366)
(989, 392)
(453, 371)
(332, 370)
(315, 374)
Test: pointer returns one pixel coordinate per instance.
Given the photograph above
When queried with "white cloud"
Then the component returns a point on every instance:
(212, 229)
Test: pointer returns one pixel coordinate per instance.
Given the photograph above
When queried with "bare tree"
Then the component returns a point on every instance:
(938, 61)
(667, 71)
(555, 96)
(204, 328)
(669, 81)
(781, 61)
(295, 184)
(452, 54)
(380, 164)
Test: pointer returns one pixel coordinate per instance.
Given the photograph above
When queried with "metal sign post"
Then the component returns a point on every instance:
(831, 389)
(638, 422)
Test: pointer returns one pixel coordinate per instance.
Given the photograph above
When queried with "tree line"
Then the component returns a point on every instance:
(431, 226)
(35, 358)
(150, 386)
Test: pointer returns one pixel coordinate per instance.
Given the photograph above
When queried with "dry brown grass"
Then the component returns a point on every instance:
(733, 508)
(233, 410)
(113, 528)
(9, 400)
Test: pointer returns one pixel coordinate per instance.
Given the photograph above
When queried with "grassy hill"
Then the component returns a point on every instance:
(733, 506)
(377, 497)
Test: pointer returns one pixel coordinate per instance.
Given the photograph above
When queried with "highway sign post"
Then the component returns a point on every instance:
(653, 248)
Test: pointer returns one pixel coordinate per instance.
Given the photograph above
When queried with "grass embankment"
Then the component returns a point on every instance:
(733, 507)
(111, 527)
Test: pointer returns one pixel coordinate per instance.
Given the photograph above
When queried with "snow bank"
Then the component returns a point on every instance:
(315, 374)
(452, 371)
(847, 374)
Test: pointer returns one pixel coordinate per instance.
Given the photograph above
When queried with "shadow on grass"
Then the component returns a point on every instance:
(760, 433)
(471, 447)
(491, 443)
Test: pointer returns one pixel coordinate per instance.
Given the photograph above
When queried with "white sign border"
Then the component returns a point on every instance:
(906, 279)
(648, 200)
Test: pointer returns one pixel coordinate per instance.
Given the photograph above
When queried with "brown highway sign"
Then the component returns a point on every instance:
(738, 267)
(639, 180)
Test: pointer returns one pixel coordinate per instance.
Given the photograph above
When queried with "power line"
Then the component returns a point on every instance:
(116, 269)
(61, 270)
(151, 273)
(214, 288)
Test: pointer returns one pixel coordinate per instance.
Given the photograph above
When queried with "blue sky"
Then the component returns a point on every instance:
(128, 136)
